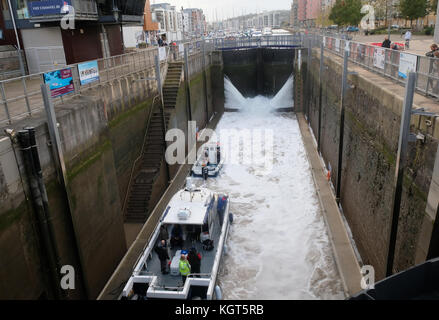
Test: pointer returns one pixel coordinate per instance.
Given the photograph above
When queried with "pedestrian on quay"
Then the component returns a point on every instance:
(433, 48)
(386, 43)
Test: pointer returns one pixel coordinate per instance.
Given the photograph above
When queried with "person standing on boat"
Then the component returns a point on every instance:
(162, 252)
(185, 268)
(176, 237)
(164, 235)
(194, 259)
(205, 172)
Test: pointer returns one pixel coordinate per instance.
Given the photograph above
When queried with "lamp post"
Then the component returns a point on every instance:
(389, 16)
(182, 17)
(436, 29)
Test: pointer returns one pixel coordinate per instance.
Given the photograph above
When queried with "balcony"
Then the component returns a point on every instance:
(53, 10)
(121, 11)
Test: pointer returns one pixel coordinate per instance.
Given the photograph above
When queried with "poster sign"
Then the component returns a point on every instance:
(337, 45)
(379, 57)
(48, 7)
(162, 53)
(60, 82)
(324, 41)
(407, 63)
(299, 59)
(88, 72)
(181, 48)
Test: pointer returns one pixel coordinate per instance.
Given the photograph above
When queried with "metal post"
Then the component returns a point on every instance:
(389, 16)
(205, 82)
(399, 168)
(436, 29)
(23, 80)
(62, 175)
(320, 97)
(5, 101)
(162, 108)
(186, 80)
(342, 114)
(308, 81)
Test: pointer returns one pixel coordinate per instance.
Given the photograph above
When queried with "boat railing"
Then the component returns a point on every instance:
(201, 275)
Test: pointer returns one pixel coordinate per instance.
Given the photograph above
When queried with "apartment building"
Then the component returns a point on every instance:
(92, 30)
(169, 21)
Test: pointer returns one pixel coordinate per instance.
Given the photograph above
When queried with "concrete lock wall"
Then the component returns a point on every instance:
(261, 71)
(372, 124)
(102, 133)
(213, 91)
(97, 156)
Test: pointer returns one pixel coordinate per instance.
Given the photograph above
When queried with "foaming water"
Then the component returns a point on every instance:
(233, 98)
(278, 247)
(284, 98)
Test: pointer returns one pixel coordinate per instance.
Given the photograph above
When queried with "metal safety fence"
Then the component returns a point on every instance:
(21, 96)
(391, 63)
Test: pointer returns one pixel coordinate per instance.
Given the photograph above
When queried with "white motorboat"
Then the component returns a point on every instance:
(211, 157)
(203, 220)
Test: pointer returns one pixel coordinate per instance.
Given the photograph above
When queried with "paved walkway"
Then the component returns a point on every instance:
(418, 45)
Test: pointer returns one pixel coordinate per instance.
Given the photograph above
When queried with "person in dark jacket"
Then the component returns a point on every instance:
(386, 43)
(434, 47)
(176, 237)
(162, 252)
(164, 235)
(194, 259)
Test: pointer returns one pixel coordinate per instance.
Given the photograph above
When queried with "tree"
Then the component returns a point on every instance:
(414, 9)
(433, 6)
(346, 12)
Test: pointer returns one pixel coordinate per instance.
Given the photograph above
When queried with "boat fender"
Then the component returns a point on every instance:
(231, 218)
(218, 293)
(225, 249)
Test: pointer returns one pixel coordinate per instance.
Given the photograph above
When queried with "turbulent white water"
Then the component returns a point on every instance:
(278, 247)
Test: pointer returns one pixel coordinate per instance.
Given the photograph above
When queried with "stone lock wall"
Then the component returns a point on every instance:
(372, 122)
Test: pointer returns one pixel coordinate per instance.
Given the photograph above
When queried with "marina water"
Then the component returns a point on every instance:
(278, 246)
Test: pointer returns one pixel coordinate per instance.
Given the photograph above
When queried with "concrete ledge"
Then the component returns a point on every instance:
(346, 261)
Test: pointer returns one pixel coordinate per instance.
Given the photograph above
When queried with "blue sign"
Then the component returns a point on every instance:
(48, 7)
(88, 72)
(60, 82)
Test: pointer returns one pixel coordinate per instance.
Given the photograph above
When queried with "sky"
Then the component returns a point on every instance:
(229, 8)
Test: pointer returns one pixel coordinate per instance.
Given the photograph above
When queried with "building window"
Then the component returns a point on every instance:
(22, 11)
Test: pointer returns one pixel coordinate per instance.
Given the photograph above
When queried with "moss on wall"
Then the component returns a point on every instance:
(86, 162)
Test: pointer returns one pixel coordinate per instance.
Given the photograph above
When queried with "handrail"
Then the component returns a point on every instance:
(141, 153)
(390, 68)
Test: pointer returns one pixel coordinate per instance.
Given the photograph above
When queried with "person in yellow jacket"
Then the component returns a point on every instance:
(185, 268)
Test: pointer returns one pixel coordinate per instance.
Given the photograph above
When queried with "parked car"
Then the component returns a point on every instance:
(352, 29)
(394, 26)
